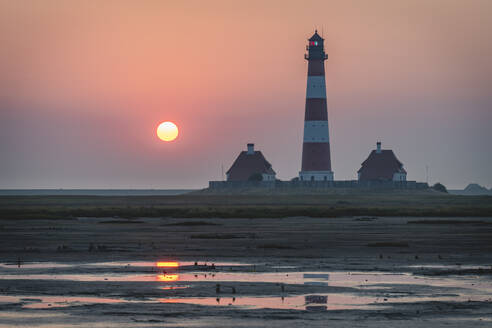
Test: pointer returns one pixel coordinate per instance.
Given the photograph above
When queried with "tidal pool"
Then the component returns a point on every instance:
(369, 289)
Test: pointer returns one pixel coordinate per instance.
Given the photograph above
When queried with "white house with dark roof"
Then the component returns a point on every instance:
(382, 164)
(248, 165)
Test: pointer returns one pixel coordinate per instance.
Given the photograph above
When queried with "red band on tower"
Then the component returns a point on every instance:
(316, 161)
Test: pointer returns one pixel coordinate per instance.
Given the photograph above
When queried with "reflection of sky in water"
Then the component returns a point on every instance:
(170, 277)
(298, 302)
(169, 264)
(171, 287)
(334, 301)
(449, 266)
(34, 265)
(340, 279)
(314, 302)
(44, 302)
(172, 264)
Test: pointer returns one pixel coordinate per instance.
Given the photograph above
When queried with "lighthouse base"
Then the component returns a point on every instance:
(316, 175)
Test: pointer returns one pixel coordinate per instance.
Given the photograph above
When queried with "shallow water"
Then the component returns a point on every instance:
(450, 266)
(374, 289)
(298, 302)
(332, 278)
(54, 265)
(317, 302)
(44, 302)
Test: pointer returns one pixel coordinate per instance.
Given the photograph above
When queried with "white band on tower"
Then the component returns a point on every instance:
(316, 131)
(316, 87)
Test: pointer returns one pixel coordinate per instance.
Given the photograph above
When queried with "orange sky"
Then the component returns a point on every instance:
(84, 84)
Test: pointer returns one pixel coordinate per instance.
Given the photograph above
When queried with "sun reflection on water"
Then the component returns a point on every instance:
(168, 277)
(170, 264)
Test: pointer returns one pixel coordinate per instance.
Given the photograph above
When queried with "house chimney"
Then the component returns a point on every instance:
(251, 149)
(378, 147)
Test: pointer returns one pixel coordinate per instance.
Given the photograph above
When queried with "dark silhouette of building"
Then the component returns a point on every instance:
(251, 165)
(382, 164)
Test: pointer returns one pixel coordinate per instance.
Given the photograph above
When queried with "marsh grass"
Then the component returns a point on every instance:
(378, 204)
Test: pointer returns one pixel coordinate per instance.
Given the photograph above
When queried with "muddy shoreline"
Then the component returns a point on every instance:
(366, 271)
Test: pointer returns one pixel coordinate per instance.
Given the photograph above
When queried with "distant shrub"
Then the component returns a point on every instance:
(439, 187)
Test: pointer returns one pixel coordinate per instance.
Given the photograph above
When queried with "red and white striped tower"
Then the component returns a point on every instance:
(316, 162)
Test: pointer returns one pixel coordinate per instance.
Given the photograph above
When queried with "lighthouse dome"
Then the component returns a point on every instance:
(316, 37)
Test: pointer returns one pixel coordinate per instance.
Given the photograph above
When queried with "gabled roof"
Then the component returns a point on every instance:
(246, 165)
(380, 166)
(316, 37)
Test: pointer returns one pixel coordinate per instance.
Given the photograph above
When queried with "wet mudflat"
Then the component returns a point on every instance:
(344, 272)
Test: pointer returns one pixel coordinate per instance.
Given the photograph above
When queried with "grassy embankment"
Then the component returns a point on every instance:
(202, 205)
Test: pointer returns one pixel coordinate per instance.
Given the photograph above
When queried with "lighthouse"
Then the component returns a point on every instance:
(316, 161)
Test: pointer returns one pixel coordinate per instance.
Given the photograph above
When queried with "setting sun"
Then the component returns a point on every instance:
(167, 264)
(167, 131)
